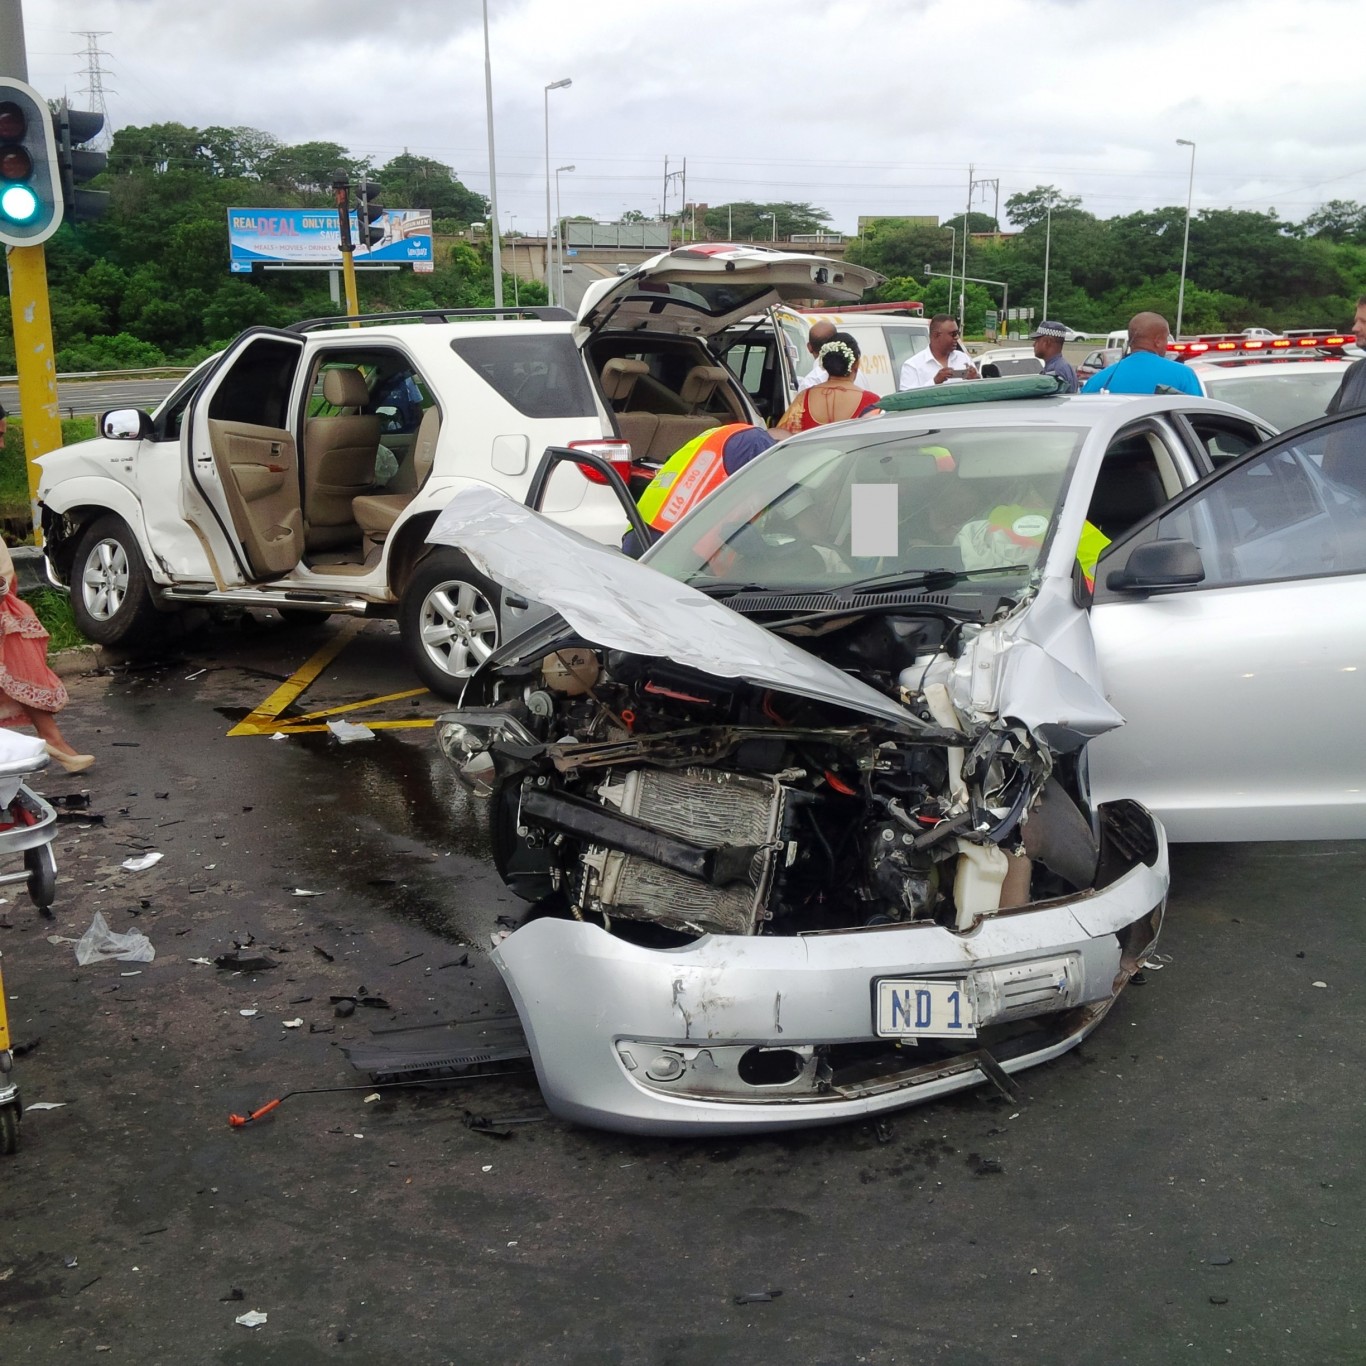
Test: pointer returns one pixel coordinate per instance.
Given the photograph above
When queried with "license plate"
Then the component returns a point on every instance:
(939, 1008)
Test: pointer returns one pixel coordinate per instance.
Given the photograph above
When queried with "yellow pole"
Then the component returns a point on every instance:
(36, 362)
(349, 276)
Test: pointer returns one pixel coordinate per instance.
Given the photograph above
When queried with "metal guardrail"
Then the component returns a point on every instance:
(154, 372)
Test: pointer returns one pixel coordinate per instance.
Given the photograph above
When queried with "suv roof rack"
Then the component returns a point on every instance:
(433, 315)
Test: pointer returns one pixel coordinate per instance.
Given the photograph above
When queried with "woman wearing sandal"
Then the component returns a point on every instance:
(30, 693)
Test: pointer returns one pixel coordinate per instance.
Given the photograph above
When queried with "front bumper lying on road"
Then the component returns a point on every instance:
(739, 1033)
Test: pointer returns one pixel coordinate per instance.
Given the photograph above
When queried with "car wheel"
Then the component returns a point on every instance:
(110, 593)
(449, 621)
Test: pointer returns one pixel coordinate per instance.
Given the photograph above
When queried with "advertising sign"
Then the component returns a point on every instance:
(309, 237)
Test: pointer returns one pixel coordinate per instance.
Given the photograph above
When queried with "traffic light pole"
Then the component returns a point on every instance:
(35, 361)
(342, 195)
(34, 354)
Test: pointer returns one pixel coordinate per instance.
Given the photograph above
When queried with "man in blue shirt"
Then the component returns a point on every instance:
(1048, 339)
(1146, 369)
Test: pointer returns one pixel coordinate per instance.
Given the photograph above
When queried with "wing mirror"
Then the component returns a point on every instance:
(1158, 564)
(125, 424)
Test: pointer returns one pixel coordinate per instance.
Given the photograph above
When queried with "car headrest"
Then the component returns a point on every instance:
(345, 388)
(700, 383)
(619, 376)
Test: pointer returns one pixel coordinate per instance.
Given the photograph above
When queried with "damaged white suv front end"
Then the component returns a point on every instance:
(782, 884)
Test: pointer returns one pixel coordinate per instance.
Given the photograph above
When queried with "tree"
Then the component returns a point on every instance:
(1031, 206)
(413, 182)
(1339, 220)
(746, 219)
(307, 168)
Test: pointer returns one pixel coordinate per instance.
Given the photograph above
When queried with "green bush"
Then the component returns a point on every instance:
(54, 611)
(14, 468)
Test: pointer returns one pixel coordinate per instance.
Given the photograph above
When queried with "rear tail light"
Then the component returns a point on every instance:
(616, 453)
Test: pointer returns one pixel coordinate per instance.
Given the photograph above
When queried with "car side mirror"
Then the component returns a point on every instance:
(125, 424)
(1158, 564)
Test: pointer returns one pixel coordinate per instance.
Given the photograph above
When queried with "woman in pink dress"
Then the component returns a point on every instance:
(30, 693)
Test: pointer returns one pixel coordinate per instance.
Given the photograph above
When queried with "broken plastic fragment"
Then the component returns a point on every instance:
(279, 735)
(373, 1096)
(294, 1024)
(1319, 984)
(99, 943)
(347, 731)
(140, 864)
(202, 962)
(757, 1297)
(253, 1318)
(247, 1014)
(303, 891)
(44, 1105)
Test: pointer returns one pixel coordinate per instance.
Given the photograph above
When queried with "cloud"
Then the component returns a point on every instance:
(859, 108)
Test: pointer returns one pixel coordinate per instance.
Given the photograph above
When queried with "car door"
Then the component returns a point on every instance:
(1242, 693)
(240, 487)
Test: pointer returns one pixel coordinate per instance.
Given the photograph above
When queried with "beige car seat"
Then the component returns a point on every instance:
(339, 462)
(376, 513)
(675, 429)
(619, 378)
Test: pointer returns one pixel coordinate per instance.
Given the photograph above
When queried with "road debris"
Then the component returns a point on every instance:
(139, 865)
(347, 732)
(101, 944)
(253, 1318)
(293, 1024)
(757, 1296)
(303, 891)
(244, 962)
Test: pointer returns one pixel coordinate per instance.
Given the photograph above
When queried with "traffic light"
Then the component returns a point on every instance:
(369, 210)
(30, 190)
(76, 165)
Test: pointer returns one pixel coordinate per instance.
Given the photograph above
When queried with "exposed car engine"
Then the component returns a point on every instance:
(664, 803)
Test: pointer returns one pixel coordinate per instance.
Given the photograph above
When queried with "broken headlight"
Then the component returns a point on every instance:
(470, 738)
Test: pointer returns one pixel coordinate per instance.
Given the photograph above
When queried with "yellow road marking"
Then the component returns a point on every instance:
(265, 719)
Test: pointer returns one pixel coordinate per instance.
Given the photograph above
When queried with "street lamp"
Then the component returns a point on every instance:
(559, 230)
(1185, 244)
(774, 218)
(1047, 245)
(512, 237)
(554, 85)
(493, 174)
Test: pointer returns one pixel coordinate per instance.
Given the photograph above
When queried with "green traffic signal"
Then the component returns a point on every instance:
(30, 188)
(18, 204)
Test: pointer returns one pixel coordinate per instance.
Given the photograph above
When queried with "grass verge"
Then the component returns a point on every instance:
(54, 611)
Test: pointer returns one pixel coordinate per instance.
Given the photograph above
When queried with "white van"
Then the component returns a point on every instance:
(1118, 340)
(768, 352)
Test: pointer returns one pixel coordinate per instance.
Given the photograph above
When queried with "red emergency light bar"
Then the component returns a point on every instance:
(1199, 348)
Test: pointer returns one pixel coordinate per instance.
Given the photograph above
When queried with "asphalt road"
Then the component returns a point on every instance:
(1185, 1186)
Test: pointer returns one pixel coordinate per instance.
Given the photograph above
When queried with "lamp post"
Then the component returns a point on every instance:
(559, 231)
(554, 85)
(774, 218)
(1047, 244)
(1185, 243)
(512, 237)
(493, 174)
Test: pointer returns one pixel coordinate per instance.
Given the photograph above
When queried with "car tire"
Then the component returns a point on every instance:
(111, 595)
(448, 619)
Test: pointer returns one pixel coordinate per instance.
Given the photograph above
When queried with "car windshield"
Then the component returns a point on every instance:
(859, 505)
(1292, 395)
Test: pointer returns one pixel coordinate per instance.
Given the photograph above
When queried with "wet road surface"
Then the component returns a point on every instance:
(1184, 1186)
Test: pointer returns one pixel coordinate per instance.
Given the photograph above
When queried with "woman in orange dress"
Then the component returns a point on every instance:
(839, 398)
(30, 693)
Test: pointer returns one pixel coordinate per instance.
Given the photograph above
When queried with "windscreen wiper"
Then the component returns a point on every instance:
(931, 579)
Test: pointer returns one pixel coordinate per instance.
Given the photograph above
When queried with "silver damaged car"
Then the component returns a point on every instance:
(804, 816)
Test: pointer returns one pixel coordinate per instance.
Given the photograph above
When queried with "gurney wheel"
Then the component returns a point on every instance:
(9, 1129)
(42, 876)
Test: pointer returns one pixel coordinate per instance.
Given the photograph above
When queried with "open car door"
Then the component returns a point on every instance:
(239, 486)
(702, 289)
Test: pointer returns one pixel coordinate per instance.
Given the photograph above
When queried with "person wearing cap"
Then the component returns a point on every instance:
(1048, 338)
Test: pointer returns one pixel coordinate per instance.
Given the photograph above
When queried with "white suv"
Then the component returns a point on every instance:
(301, 469)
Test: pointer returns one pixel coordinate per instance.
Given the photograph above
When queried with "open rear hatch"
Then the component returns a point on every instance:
(700, 290)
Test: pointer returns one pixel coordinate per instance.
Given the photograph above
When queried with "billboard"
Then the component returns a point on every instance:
(309, 237)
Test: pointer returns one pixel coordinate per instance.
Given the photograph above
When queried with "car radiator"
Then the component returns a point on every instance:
(706, 807)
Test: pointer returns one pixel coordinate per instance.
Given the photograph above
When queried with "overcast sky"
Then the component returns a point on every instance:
(859, 107)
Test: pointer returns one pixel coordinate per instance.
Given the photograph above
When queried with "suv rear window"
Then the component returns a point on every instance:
(541, 376)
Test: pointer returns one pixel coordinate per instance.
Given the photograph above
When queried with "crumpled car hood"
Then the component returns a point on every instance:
(620, 604)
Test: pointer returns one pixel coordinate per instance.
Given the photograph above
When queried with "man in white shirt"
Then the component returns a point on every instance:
(820, 333)
(942, 362)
